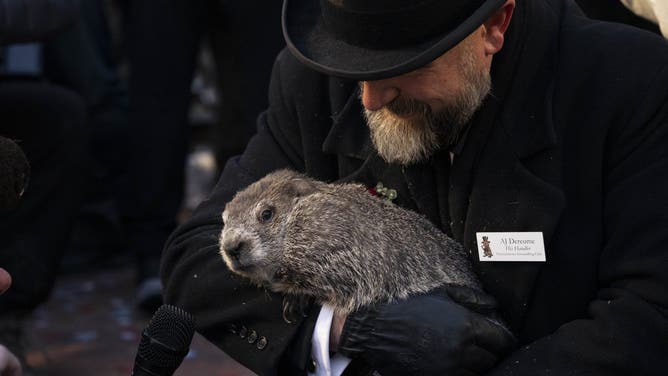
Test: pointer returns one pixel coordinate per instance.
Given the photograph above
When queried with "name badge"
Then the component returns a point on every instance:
(511, 246)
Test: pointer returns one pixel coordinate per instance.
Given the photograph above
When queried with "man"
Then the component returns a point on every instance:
(519, 120)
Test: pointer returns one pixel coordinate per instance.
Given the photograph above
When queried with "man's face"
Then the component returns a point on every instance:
(413, 115)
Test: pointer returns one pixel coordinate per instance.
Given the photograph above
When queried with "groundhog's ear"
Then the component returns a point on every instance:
(302, 187)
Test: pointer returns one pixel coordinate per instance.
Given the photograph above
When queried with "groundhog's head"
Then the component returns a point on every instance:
(254, 224)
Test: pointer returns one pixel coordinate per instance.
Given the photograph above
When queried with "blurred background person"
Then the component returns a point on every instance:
(83, 59)
(163, 41)
(46, 121)
(180, 82)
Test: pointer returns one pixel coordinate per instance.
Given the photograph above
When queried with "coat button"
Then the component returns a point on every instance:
(312, 366)
(243, 331)
(252, 337)
(261, 343)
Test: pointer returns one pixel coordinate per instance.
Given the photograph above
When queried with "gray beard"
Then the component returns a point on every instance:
(415, 140)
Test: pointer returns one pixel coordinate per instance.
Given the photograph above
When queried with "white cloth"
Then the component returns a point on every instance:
(653, 10)
(325, 365)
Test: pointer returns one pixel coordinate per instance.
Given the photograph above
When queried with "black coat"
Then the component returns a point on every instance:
(573, 144)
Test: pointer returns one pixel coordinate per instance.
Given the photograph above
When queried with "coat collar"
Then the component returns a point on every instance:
(349, 135)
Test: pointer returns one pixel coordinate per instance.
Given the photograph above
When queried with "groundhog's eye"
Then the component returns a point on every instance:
(266, 215)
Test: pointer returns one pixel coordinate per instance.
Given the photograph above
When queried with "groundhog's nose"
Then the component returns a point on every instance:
(233, 248)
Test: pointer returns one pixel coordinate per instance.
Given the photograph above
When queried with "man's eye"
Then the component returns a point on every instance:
(266, 215)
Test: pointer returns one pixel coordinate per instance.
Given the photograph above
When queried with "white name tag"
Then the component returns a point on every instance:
(511, 246)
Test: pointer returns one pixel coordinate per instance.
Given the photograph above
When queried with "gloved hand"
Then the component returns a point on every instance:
(428, 334)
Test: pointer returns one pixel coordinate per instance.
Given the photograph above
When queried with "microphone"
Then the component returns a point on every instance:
(164, 342)
(14, 172)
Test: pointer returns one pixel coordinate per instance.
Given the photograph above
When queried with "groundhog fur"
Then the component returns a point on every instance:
(336, 243)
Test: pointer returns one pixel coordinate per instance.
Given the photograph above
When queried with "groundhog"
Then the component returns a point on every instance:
(336, 243)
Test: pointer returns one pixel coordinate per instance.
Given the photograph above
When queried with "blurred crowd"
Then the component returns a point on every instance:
(110, 101)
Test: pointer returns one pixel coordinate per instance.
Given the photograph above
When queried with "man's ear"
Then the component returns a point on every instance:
(495, 27)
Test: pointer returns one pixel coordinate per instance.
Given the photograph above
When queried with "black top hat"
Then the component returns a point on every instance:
(375, 39)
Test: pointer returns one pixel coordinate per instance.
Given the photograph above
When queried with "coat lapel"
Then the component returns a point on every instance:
(428, 186)
(349, 136)
(514, 183)
(509, 193)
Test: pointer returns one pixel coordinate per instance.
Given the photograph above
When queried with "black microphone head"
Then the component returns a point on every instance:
(165, 341)
(14, 172)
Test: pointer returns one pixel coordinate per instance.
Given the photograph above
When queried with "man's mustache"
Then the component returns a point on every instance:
(404, 106)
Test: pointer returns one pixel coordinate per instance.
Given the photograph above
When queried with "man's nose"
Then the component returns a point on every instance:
(376, 94)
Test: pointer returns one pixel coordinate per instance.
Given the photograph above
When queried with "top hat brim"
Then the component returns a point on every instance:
(309, 41)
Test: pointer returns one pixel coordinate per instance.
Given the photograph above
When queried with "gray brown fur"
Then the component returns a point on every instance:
(336, 243)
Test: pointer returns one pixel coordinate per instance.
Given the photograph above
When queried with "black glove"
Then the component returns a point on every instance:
(428, 334)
